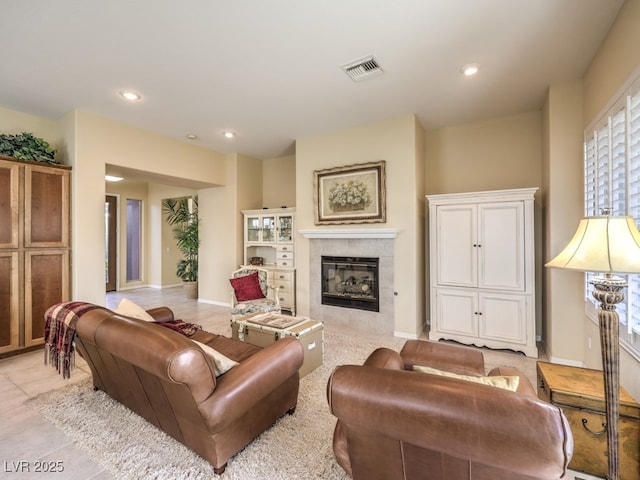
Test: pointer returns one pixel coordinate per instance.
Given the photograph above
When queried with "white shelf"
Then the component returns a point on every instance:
(363, 233)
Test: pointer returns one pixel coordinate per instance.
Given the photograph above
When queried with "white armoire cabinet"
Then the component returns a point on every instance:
(482, 269)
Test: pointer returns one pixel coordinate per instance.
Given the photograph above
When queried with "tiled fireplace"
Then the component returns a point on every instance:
(376, 245)
(350, 282)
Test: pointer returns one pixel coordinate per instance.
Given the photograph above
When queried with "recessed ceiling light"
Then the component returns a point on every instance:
(470, 69)
(112, 178)
(192, 136)
(133, 96)
(229, 134)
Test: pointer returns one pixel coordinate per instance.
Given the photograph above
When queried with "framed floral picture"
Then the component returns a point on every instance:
(350, 194)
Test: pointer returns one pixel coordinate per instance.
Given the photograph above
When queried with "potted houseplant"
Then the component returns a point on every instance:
(182, 215)
(25, 146)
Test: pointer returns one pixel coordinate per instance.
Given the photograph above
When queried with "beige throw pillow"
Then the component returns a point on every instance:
(220, 362)
(507, 382)
(130, 309)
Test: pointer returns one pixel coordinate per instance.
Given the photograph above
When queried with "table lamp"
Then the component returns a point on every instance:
(606, 244)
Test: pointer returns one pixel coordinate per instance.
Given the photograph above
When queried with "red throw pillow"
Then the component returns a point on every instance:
(247, 287)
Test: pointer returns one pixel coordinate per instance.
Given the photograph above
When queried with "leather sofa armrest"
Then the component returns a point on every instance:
(385, 358)
(443, 356)
(161, 314)
(524, 385)
(484, 424)
(246, 384)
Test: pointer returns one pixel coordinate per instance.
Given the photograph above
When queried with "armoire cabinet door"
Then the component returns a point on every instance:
(456, 244)
(46, 283)
(457, 311)
(504, 317)
(9, 176)
(46, 207)
(9, 297)
(501, 244)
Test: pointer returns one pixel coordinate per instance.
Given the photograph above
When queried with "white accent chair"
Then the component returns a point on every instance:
(269, 303)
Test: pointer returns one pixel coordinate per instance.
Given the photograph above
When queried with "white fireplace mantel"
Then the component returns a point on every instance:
(360, 233)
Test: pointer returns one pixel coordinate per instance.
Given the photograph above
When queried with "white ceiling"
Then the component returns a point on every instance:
(270, 69)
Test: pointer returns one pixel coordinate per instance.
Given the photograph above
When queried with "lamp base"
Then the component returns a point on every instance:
(608, 291)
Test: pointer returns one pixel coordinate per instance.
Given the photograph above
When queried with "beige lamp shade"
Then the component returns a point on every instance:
(602, 244)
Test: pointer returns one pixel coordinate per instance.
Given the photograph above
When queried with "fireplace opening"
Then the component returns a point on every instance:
(350, 282)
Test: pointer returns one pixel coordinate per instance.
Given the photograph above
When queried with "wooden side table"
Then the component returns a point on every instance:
(579, 392)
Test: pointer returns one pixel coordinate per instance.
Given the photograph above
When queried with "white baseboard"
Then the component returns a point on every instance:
(405, 335)
(564, 361)
(213, 302)
(133, 287)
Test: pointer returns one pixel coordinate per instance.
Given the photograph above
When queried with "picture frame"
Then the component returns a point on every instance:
(350, 194)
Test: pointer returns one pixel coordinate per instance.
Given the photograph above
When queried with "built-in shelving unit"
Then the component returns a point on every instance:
(269, 241)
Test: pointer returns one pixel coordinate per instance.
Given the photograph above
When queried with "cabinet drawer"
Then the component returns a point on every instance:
(285, 248)
(284, 255)
(285, 286)
(286, 262)
(282, 276)
(286, 298)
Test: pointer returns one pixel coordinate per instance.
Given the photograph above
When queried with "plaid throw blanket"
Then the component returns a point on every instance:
(180, 326)
(60, 332)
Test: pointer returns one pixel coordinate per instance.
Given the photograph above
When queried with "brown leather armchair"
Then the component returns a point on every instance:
(399, 424)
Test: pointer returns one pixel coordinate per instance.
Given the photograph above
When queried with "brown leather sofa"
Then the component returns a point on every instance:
(165, 377)
(394, 423)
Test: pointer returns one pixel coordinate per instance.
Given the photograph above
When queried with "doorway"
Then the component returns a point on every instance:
(111, 243)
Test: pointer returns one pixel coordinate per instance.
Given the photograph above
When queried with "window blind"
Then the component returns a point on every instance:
(612, 180)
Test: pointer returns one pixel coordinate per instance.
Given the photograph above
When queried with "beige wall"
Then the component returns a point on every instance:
(88, 143)
(220, 237)
(279, 182)
(422, 298)
(13, 123)
(617, 59)
(100, 141)
(395, 141)
(250, 195)
(495, 154)
(562, 195)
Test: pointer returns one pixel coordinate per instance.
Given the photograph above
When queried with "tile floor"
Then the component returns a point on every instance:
(26, 438)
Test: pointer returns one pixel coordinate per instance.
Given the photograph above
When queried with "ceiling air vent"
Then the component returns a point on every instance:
(362, 68)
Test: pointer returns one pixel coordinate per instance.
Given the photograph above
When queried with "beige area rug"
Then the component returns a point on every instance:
(298, 446)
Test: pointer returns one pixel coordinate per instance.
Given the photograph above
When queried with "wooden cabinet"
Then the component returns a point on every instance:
(34, 248)
(481, 248)
(269, 242)
(579, 392)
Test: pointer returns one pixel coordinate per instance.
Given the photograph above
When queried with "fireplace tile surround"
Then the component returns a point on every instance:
(354, 243)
